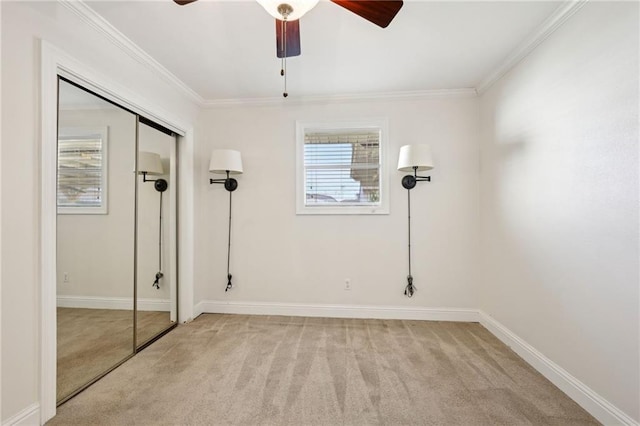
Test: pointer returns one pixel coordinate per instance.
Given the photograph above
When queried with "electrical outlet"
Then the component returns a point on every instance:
(347, 284)
(65, 278)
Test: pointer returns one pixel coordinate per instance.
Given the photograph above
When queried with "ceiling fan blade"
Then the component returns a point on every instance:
(380, 12)
(292, 39)
(183, 2)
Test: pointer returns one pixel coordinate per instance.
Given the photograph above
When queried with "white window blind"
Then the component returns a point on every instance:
(342, 168)
(82, 170)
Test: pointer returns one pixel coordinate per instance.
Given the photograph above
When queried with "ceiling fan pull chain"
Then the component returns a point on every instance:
(282, 47)
(285, 94)
(283, 71)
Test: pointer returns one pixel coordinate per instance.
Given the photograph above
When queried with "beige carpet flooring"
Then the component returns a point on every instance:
(91, 341)
(261, 370)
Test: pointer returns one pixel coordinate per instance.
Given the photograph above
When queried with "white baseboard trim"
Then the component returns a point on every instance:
(588, 399)
(336, 311)
(30, 416)
(124, 303)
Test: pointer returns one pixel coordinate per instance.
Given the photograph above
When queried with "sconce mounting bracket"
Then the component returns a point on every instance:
(409, 181)
(230, 184)
(160, 185)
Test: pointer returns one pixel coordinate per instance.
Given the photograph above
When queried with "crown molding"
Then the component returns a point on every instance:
(548, 27)
(356, 97)
(91, 17)
(555, 21)
(95, 20)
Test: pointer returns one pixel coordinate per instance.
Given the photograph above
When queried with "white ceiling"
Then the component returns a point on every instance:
(226, 49)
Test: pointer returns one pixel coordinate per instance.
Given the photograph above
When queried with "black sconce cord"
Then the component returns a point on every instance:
(229, 285)
(159, 274)
(230, 184)
(160, 237)
(160, 185)
(410, 288)
(409, 182)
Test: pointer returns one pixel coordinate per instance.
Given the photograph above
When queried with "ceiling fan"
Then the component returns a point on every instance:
(288, 13)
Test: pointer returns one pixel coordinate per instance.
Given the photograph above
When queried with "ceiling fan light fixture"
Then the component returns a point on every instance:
(289, 10)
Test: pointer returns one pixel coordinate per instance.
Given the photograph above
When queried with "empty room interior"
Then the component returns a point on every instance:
(325, 212)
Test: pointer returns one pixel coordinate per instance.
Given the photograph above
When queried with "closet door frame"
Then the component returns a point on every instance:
(54, 63)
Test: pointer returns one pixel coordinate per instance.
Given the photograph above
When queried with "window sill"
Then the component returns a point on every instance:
(343, 210)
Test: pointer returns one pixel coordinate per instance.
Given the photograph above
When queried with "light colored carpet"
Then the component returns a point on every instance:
(91, 341)
(262, 370)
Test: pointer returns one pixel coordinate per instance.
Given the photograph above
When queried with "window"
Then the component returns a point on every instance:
(341, 168)
(82, 171)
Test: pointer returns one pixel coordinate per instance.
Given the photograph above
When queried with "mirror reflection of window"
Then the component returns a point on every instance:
(82, 171)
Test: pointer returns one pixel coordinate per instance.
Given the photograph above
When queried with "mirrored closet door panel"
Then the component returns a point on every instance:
(95, 237)
(156, 278)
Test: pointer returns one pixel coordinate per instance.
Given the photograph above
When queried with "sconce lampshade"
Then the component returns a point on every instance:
(223, 160)
(149, 163)
(300, 7)
(415, 156)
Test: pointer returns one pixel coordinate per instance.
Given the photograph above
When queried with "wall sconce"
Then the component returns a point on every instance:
(230, 162)
(413, 158)
(149, 163)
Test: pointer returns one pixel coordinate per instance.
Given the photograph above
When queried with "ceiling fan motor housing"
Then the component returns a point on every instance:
(285, 10)
(288, 9)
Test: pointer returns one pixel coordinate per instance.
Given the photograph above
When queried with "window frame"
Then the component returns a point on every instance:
(302, 127)
(70, 133)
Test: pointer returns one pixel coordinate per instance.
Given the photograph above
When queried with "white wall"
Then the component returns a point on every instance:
(279, 257)
(559, 200)
(23, 25)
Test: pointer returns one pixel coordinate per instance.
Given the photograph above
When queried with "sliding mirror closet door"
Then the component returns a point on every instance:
(156, 277)
(95, 238)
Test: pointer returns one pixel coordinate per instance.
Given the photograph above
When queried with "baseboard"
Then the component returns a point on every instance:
(595, 404)
(124, 303)
(336, 311)
(30, 416)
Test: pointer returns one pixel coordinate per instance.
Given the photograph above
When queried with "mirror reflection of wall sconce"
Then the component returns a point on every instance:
(413, 158)
(149, 163)
(230, 162)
